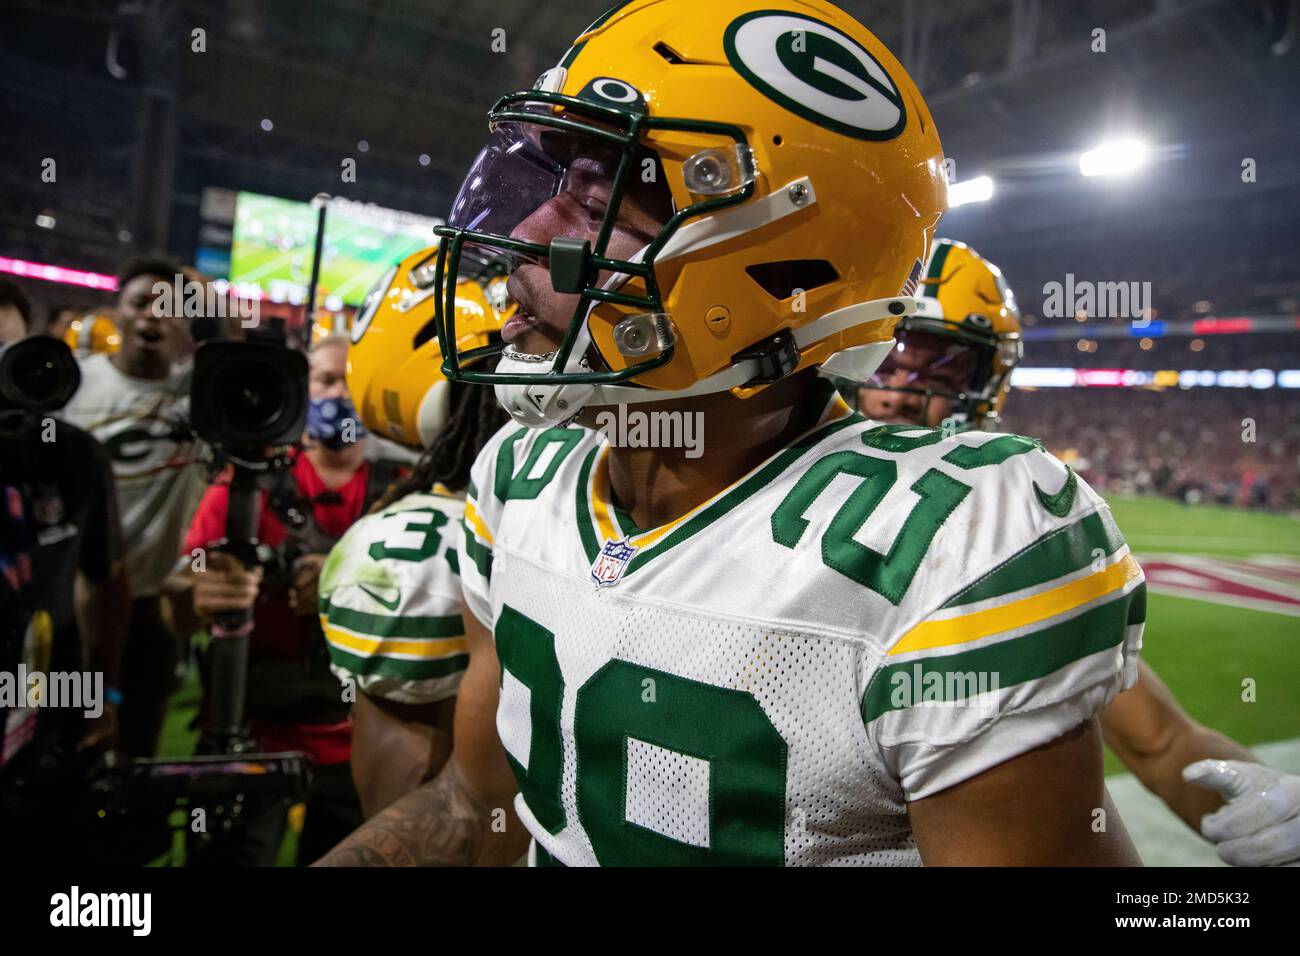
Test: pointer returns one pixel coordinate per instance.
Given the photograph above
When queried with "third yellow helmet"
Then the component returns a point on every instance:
(968, 328)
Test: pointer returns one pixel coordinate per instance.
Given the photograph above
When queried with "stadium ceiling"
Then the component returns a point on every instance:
(115, 92)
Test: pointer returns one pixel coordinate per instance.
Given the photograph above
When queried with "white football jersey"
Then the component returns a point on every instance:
(142, 425)
(875, 614)
(390, 601)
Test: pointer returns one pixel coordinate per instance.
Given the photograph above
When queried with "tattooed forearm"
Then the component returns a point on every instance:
(438, 824)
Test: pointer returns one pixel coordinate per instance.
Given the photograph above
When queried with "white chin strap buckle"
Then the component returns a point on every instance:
(544, 404)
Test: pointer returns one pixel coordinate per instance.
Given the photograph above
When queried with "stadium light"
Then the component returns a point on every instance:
(1116, 158)
(979, 189)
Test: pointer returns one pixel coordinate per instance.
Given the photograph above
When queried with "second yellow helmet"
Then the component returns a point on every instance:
(395, 365)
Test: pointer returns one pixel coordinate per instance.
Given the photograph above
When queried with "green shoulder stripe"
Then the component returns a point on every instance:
(480, 554)
(935, 272)
(1029, 657)
(379, 666)
(381, 625)
(1054, 555)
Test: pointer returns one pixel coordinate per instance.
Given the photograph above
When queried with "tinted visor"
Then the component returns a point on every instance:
(932, 363)
(526, 165)
(555, 189)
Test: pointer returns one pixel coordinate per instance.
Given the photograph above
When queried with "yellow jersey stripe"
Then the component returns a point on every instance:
(1029, 610)
(600, 498)
(475, 522)
(370, 646)
(600, 507)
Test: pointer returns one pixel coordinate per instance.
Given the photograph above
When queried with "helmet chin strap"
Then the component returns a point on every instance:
(545, 403)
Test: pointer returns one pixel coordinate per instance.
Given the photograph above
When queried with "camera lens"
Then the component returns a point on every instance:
(38, 373)
(253, 398)
(38, 379)
(248, 395)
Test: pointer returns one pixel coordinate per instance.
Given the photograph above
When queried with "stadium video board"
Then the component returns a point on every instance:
(273, 238)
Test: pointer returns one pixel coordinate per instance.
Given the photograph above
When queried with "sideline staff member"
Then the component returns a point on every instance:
(135, 402)
(294, 702)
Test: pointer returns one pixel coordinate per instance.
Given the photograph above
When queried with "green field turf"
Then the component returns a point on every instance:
(1160, 525)
(1203, 651)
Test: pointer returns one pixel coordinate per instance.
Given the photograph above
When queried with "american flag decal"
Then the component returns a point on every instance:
(913, 279)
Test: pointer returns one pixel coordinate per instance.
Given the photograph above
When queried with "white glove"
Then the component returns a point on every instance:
(1259, 825)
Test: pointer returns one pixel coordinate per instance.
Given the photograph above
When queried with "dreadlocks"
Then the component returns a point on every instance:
(475, 417)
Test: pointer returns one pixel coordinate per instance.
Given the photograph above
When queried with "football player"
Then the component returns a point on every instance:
(390, 590)
(823, 640)
(952, 364)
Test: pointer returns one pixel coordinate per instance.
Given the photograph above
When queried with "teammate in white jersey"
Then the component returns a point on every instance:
(823, 640)
(390, 595)
(953, 364)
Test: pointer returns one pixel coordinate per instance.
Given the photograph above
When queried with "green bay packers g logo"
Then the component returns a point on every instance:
(817, 72)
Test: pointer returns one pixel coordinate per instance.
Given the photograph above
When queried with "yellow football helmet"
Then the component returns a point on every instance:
(92, 334)
(798, 173)
(395, 363)
(961, 345)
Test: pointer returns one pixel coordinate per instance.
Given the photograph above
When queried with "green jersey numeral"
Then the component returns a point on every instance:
(511, 483)
(423, 522)
(746, 755)
(889, 575)
(527, 651)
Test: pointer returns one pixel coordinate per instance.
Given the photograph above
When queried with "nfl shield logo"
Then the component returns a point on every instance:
(611, 562)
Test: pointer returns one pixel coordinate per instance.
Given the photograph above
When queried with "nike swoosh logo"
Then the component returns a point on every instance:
(391, 605)
(1060, 503)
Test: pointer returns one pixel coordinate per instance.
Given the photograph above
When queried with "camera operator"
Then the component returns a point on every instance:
(294, 702)
(135, 402)
(59, 535)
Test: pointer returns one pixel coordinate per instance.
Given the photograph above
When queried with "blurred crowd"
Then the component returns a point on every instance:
(1271, 350)
(1221, 445)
